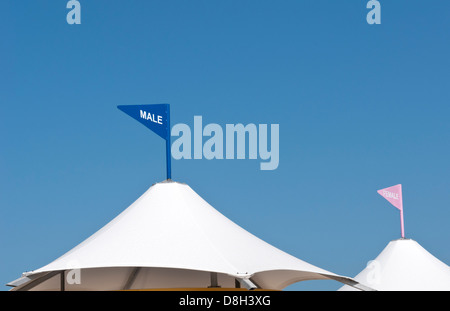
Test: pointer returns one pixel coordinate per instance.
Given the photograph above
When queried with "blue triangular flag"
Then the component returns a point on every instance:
(154, 117)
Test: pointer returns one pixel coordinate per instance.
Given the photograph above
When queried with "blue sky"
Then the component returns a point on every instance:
(360, 107)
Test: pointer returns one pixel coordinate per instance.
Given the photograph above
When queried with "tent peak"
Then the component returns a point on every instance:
(403, 239)
(169, 181)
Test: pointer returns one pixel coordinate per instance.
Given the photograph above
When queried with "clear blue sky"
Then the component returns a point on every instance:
(360, 107)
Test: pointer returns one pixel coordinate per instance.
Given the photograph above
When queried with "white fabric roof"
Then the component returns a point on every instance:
(171, 228)
(404, 265)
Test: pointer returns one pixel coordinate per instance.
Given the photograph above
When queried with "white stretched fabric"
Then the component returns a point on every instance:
(171, 227)
(404, 265)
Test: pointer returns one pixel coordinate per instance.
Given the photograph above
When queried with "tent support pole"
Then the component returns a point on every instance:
(63, 281)
(213, 277)
(248, 284)
(131, 278)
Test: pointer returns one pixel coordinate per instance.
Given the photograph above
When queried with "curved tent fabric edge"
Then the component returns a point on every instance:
(28, 282)
(352, 283)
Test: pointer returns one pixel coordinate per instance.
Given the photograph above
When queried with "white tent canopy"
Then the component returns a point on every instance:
(171, 238)
(404, 265)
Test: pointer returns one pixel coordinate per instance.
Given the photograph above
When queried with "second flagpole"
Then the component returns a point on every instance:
(402, 223)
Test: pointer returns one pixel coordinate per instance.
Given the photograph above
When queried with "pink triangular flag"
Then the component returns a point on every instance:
(394, 196)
